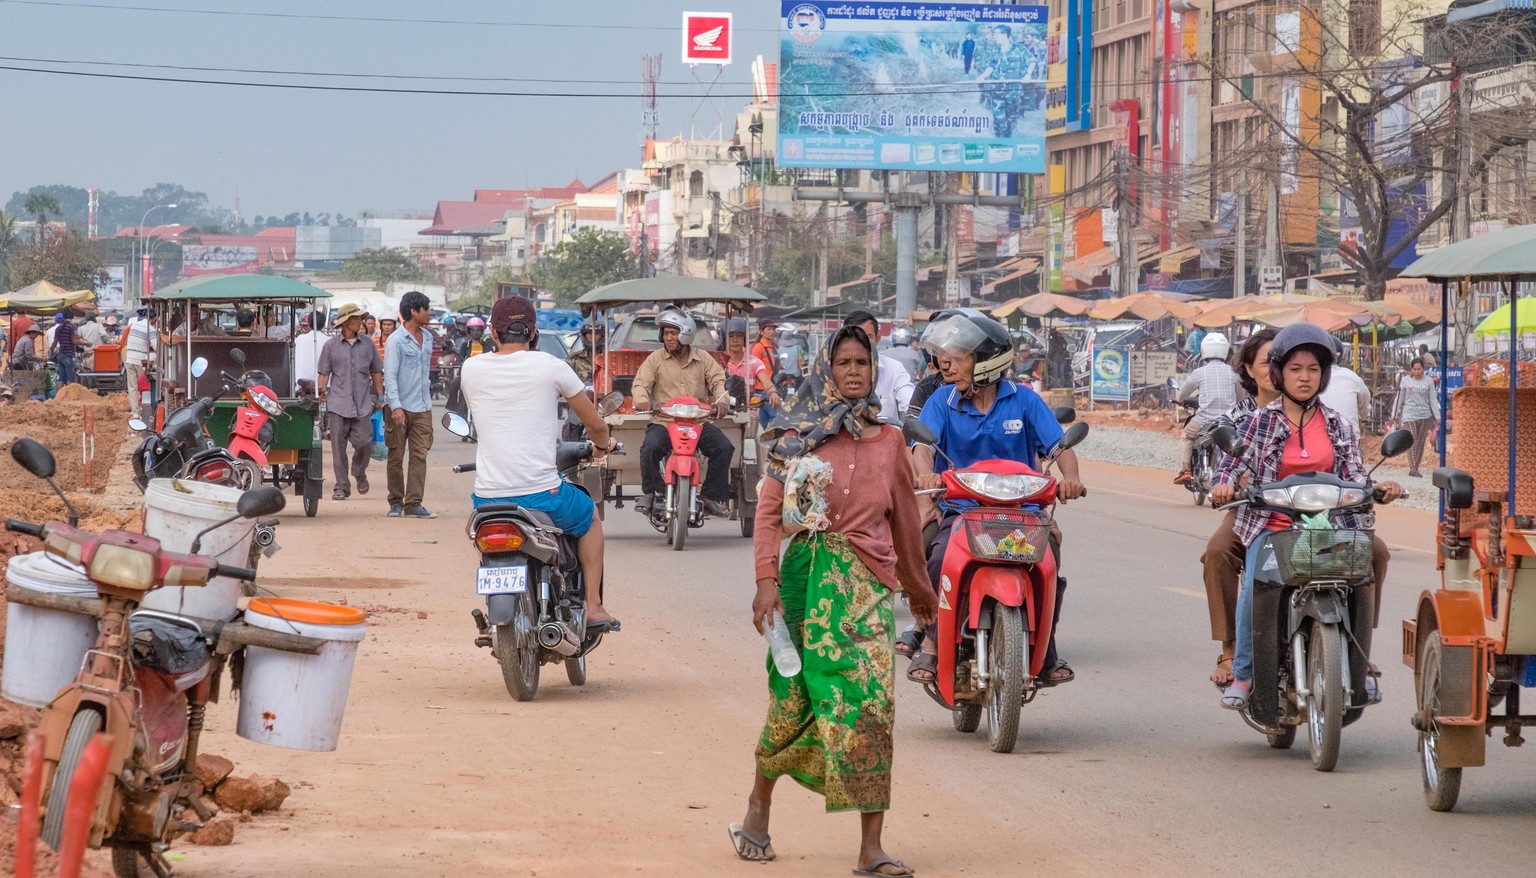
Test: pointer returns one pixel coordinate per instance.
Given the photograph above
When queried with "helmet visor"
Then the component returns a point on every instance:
(952, 336)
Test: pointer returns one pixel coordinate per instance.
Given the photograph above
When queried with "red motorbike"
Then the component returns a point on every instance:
(679, 509)
(997, 590)
(251, 433)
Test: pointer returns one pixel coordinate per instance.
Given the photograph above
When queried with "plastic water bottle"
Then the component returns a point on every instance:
(781, 648)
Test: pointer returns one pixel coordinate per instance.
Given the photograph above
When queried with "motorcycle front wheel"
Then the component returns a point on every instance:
(683, 491)
(1325, 706)
(82, 728)
(1005, 691)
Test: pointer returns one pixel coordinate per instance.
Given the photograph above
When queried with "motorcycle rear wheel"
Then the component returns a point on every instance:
(683, 491)
(1005, 691)
(82, 728)
(519, 662)
(1284, 739)
(1325, 706)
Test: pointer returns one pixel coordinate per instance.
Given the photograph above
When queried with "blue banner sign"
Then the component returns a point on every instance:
(1111, 378)
(912, 86)
(1454, 376)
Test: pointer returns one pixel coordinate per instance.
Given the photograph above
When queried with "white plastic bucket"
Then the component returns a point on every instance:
(293, 700)
(175, 510)
(44, 648)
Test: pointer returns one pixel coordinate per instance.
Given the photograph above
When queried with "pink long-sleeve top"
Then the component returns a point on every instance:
(869, 500)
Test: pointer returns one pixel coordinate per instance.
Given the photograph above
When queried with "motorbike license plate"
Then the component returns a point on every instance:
(512, 579)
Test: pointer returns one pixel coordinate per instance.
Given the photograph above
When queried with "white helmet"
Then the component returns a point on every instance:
(677, 320)
(1215, 347)
(901, 336)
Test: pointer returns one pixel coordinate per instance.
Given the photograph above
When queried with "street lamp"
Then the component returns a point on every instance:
(153, 246)
(138, 248)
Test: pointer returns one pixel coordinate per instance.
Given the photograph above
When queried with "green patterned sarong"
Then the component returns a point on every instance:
(829, 727)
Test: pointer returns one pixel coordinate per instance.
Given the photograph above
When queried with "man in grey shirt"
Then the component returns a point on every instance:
(1216, 385)
(351, 384)
(408, 421)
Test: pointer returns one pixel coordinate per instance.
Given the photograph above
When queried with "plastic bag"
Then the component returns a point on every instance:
(380, 450)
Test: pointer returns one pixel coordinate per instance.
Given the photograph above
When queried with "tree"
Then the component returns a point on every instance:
(384, 265)
(67, 260)
(9, 244)
(42, 205)
(582, 263)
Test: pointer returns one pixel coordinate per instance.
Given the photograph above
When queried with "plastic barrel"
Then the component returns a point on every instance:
(175, 511)
(293, 700)
(44, 648)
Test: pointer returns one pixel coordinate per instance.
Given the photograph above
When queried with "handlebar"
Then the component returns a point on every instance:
(244, 573)
(464, 468)
(24, 527)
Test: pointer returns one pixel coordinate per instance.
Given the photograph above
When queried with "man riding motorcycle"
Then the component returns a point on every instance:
(1216, 384)
(513, 396)
(977, 416)
(679, 369)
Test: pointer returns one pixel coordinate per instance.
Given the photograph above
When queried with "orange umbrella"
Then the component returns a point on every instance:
(1144, 306)
(1332, 315)
(1221, 312)
(1043, 305)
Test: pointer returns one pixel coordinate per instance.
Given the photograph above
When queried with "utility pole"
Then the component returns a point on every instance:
(1125, 222)
(1240, 268)
(1271, 259)
(714, 234)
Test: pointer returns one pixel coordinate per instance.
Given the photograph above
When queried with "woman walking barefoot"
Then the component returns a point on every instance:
(856, 540)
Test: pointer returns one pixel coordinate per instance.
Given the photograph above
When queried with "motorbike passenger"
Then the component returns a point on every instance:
(893, 384)
(1295, 433)
(1216, 384)
(754, 373)
(903, 351)
(584, 361)
(983, 416)
(475, 341)
(513, 396)
(680, 369)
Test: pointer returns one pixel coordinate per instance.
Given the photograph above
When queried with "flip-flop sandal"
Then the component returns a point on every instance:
(1049, 678)
(924, 662)
(740, 839)
(1235, 697)
(1223, 666)
(362, 484)
(870, 869)
(910, 643)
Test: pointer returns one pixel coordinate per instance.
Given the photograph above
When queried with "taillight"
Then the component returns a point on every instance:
(497, 537)
(215, 471)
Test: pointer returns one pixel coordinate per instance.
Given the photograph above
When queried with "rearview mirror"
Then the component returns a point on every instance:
(34, 457)
(1396, 442)
(1074, 435)
(1226, 439)
(456, 423)
(266, 500)
(1065, 414)
(916, 431)
(137, 425)
(238, 356)
(610, 404)
(199, 366)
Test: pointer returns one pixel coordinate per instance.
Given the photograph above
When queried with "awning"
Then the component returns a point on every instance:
(1086, 269)
(1173, 257)
(1027, 267)
(837, 289)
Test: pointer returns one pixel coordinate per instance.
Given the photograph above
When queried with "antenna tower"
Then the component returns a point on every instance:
(650, 73)
(93, 210)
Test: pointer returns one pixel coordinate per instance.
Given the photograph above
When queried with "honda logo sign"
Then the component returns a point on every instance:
(707, 37)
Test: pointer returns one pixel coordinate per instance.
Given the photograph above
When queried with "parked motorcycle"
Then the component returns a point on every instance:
(145, 683)
(679, 508)
(998, 589)
(182, 448)
(250, 435)
(535, 597)
(1313, 607)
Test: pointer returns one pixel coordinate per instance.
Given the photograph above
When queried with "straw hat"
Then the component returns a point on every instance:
(347, 312)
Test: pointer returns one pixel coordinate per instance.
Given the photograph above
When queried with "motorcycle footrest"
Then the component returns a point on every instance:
(483, 641)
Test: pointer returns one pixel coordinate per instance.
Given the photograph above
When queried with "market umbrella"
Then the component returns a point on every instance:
(1042, 306)
(1144, 306)
(1497, 323)
(1218, 313)
(44, 296)
(1332, 315)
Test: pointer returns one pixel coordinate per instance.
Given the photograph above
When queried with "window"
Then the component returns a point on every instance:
(696, 184)
(1365, 27)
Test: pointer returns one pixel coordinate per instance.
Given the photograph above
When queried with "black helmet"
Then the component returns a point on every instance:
(966, 330)
(1292, 339)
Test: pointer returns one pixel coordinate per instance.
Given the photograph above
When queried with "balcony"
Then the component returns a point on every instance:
(1506, 88)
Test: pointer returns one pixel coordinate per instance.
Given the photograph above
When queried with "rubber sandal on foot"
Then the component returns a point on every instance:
(745, 842)
(924, 662)
(872, 869)
(1235, 697)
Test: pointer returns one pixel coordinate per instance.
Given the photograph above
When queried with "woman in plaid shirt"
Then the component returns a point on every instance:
(1294, 434)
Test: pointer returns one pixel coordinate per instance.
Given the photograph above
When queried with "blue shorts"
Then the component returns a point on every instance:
(569, 506)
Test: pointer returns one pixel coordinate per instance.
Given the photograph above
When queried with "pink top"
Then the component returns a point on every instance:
(1308, 450)
(869, 500)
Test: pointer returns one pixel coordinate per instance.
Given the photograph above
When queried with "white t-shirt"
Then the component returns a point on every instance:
(1346, 394)
(893, 384)
(306, 355)
(514, 400)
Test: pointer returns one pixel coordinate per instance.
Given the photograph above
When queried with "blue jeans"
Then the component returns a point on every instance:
(1242, 653)
(568, 506)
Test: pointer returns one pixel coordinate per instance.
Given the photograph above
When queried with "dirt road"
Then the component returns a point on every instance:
(1132, 769)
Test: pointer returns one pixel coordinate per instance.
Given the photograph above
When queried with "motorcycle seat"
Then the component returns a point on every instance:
(495, 510)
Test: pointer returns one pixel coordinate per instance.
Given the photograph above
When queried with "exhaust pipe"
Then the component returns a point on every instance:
(556, 637)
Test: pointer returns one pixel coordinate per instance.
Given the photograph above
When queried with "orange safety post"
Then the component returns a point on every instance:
(31, 806)
(84, 791)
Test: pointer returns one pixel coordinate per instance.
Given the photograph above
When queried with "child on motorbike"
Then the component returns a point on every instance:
(1293, 434)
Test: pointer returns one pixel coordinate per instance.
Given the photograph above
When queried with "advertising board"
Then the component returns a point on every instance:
(200, 259)
(913, 86)
(1111, 378)
(707, 37)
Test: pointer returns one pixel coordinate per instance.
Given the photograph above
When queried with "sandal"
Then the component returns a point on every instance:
(750, 847)
(1222, 676)
(875, 867)
(910, 642)
(924, 662)
(338, 494)
(1056, 676)
(1235, 697)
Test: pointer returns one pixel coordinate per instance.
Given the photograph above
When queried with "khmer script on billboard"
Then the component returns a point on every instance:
(913, 86)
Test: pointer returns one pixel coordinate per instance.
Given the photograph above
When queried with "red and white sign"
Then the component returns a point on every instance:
(706, 37)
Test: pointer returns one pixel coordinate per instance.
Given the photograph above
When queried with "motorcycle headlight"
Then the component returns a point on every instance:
(1003, 488)
(123, 567)
(266, 403)
(686, 411)
(1314, 498)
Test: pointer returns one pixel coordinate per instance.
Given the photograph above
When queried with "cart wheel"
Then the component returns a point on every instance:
(1442, 786)
(311, 507)
(747, 513)
(312, 488)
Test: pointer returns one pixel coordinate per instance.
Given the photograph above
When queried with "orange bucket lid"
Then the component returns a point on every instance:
(311, 612)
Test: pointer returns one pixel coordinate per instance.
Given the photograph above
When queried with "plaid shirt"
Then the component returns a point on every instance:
(1265, 434)
(1217, 386)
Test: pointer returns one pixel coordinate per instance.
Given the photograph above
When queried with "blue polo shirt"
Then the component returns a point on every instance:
(1019, 426)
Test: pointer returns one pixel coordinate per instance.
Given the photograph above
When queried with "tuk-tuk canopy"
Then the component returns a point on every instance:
(680, 290)
(239, 288)
(1506, 254)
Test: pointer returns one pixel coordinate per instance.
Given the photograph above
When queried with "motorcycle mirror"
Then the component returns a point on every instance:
(238, 356)
(1065, 414)
(610, 403)
(199, 366)
(34, 457)
(265, 500)
(137, 425)
(1074, 435)
(914, 430)
(1396, 442)
(456, 423)
(1226, 439)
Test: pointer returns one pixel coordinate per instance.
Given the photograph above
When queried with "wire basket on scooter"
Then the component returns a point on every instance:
(1315, 554)
(1007, 534)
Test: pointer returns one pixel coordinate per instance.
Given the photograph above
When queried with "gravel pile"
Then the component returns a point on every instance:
(1143, 448)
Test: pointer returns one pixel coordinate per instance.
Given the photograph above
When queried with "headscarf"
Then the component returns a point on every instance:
(817, 412)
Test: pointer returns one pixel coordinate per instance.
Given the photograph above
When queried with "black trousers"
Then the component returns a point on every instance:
(713, 446)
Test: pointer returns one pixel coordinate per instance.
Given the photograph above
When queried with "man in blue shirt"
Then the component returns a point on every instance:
(408, 419)
(981, 416)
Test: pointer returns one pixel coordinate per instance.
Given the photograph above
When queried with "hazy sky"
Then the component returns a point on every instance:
(283, 150)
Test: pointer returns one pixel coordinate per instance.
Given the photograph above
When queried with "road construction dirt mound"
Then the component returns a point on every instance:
(60, 424)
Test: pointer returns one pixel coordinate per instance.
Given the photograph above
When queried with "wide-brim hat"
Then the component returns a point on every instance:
(347, 312)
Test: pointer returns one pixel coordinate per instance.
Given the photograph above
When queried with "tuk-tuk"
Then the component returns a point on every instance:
(295, 456)
(1472, 641)
(618, 478)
